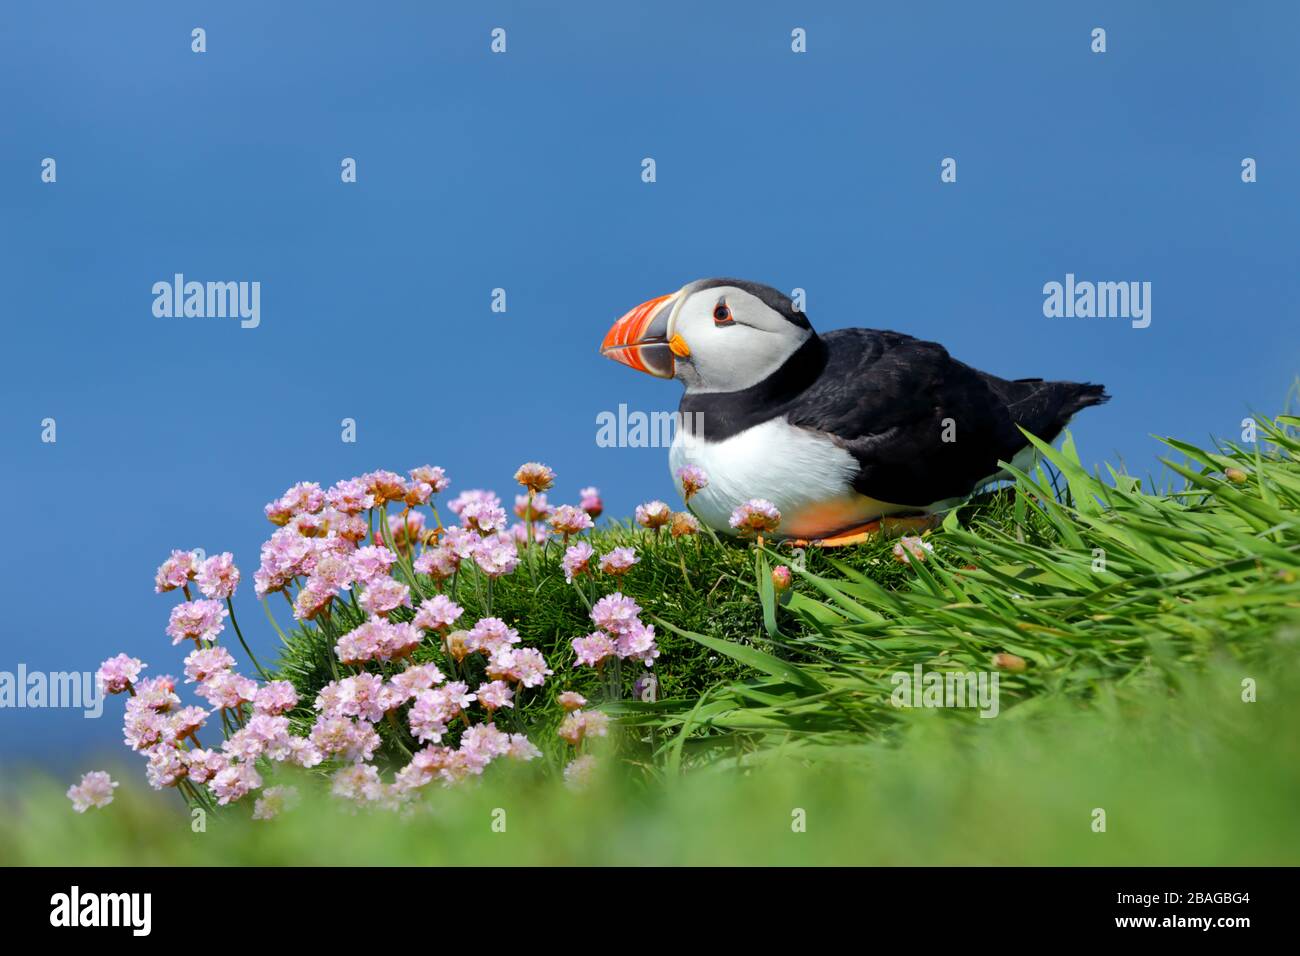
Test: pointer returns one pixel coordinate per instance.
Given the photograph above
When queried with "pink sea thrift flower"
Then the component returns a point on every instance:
(411, 681)
(756, 516)
(350, 497)
(909, 547)
(465, 498)
(175, 572)
(218, 577)
(693, 480)
(490, 635)
(523, 665)
(200, 664)
(576, 560)
(274, 801)
(227, 689)
(495, 695)
(593, 649)
(535, 476)
(371, 562)
(437, 613)
(359, 783)
(567, 520)
(615, 614)
(118, 673)
(439, 563)
(538, 510)
(589, 501)
(234, 782)
(578, 774)
(94, 790)
(684, 524)
(383, 596)
(653, 514)
(782, 578)
(571, 700)
(497, 556)
(435, 478)
(638, 642)
(155, 693)
(521, 748)
(343, 737)
(275, 697)
(619, 561)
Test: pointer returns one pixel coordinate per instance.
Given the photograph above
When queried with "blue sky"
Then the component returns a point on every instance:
(522, 171)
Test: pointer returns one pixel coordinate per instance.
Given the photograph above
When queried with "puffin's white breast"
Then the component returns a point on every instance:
(805, 474)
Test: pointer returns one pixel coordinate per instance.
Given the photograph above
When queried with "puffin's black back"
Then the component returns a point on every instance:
(885, 396)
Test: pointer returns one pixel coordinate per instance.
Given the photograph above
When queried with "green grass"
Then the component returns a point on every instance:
(1130, 699)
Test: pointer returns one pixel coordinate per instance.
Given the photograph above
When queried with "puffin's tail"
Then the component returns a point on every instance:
(1044, 408)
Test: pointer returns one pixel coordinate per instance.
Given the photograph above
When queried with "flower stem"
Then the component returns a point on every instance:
(240, 634)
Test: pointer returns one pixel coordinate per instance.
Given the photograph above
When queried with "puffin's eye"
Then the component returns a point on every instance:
(722, 315)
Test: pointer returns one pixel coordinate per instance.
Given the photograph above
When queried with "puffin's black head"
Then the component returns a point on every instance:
(716, 335)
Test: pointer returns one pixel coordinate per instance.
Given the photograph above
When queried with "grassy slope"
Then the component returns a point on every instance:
(1131, 701)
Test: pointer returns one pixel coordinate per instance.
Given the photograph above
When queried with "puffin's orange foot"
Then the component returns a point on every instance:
(888, 527)
(843, 539)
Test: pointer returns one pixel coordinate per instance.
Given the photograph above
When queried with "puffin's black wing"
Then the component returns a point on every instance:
(892, 400)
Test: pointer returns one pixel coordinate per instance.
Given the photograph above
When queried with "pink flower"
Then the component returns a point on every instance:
(197, 620)
(653, 514)
(497, 556)
(693, 480)
(909, 547)
(118, 673)
(435, 478)
(576, 560)
(143, 728)
(350, 497)
(571, 700)
(384, 595)
(439, 563)
(483, 743)
(359, 783)
(756, 516)
(314, 598)
(615, 614)
(684, 523)
(490, 635)
(537, 511)
(590, 502)
(568, 520)
(166, 768)
(343, 737)
(523, 665)
(275, 697)
(94, 790)
(227, 689)
(372, 562)
(362, 696)
(495, 695)
(578, 774)
(218, 577)
(437, 613)
(411, 681)
(384, 486)
(175, 572)
(186, 721)
(619, 561)
(236, 781)
(274, 801)
(535, 476)
(521, 748)
(593, 648)
(638, 641)
(155, 693)
(781, 578)
(474, 495)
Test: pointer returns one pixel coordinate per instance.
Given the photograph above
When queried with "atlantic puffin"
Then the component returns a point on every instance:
(840, 431)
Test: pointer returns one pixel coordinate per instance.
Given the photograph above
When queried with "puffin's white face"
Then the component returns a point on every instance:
(713, 337)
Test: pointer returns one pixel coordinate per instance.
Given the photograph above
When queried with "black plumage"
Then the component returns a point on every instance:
(885, 397)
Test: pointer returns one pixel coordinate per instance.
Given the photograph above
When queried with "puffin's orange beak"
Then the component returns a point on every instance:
(640, 338)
